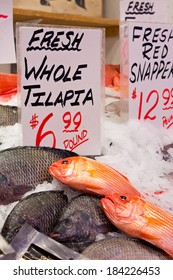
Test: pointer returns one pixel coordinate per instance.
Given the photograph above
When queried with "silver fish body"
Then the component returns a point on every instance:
(8, 115)
(23, 168)
(80, 222)
(41, 210)
(121, 247)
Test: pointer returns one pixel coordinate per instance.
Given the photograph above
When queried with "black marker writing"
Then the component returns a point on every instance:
(55, 41)
(140, 8)
(56, 72)
(37, 98)
(156, 63)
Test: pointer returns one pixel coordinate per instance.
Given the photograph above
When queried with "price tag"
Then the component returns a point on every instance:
(7, 50)
(143, 11)
(61, 87)
(151, 73)
(151, 11)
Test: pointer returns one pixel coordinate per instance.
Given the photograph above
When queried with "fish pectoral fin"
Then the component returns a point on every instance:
(148, 236)
(93, 187)
(153, 222)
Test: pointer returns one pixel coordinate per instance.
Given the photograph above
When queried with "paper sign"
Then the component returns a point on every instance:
(61, 87)
(151, 11)
(7, 49)
(151, 73)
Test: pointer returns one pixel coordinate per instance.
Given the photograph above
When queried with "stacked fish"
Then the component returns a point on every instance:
(122, 203)
(108, 202)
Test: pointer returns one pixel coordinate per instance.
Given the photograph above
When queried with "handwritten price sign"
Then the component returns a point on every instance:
(151, 73)
(7, 50)
(61, 87)
(148, 104)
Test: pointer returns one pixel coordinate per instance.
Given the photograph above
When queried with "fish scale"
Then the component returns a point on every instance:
(120, 247)
(23, 168)
(8, 115)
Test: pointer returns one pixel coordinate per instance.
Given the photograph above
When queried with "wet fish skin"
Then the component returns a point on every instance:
(141, 219)
(122, 248)
(8, 115)
(91, 176)
(41, 210)
(82, 219)
(23, 168)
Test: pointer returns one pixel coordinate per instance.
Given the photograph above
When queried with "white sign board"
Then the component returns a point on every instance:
(7, 49)
(151, 11)
(151, 73)
(61, 87)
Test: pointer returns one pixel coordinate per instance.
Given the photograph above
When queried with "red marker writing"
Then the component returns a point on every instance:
(3, 16)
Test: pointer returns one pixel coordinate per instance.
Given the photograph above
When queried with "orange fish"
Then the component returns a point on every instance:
(8, 85)
(90, 176)
(112, 76)
(116, 80)
(140, 219)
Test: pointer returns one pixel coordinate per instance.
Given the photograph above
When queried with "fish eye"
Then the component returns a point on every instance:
(123, 197)
(65, 161)
(67, 222)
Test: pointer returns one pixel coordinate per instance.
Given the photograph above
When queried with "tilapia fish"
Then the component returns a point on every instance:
(23, 168)
(41, 210)
(122, 248)
(8, 115)
(82, 219)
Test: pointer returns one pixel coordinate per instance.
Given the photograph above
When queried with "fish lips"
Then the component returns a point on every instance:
(56, 236)
(56, 171)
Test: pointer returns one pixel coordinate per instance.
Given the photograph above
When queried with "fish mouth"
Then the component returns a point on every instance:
(107, 203)
(112, 205)
(110, 200)
(57, 172)
(55, 235)
(53, 170)
(58, 236)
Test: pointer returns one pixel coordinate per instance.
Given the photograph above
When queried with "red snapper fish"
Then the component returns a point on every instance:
(140, 219)
(112, 76)
(8, 86)
(115, 80)
(90, 176)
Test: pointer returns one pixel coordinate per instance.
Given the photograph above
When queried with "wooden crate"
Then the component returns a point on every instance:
(75, 7)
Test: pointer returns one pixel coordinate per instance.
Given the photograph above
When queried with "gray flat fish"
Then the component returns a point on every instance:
(80, 222)
(40, 210)
(123, 248)
(23, 168)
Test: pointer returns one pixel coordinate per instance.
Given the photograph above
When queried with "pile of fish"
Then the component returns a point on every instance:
(77, 222)
(123, 205)
(107, 218)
